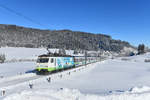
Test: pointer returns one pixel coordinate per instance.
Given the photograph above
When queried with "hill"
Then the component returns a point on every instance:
(17, 36)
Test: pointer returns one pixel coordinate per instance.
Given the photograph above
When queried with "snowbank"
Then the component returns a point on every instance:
(137, 58)
(73, 94)
(140, 89)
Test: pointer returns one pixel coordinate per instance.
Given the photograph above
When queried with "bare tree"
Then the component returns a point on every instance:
(75, 51)
(141, 49)
(62, 51)
(2, 58)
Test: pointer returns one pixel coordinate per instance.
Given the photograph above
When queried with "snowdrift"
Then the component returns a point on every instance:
(137, 93)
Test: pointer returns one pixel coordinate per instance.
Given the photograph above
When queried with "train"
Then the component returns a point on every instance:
(55, 62)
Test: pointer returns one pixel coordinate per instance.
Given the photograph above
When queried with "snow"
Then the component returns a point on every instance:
(68, 94)
(125, 78)
(140, 89)
(27, 54)
(21, 53)
(108, 76)
(11, 69)
(21, 60)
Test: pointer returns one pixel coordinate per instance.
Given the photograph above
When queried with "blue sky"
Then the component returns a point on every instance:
(127, 20)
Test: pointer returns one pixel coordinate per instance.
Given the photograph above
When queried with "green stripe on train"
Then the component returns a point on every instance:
(48, 69)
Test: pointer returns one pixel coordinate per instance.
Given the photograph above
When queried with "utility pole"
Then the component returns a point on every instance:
(85, 54)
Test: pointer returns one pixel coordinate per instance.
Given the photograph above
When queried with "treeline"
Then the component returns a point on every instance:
(15, 36)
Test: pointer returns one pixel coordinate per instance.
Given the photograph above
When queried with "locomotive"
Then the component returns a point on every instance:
(55, 62)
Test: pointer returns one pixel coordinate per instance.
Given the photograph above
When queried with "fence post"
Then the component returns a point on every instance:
(61, 76)
(49, 79)
(30, 85)
(3, 92)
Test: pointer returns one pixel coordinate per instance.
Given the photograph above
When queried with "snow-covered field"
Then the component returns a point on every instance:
(21, 53)
(125, 78)
(15, 54)
(11, 69)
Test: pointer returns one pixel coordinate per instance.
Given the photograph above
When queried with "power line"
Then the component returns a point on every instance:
(21, 15)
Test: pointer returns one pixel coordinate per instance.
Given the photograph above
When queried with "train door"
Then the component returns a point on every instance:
(52, 62)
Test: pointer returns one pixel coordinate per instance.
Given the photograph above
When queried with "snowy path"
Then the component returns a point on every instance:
(8, 82)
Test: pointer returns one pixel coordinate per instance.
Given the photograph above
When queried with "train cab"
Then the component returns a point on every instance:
(46, 63)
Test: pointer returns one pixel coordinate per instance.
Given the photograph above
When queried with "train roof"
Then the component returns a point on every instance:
(60, 55)
(54, 55)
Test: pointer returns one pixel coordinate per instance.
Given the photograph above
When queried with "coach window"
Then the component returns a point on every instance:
(52, 60)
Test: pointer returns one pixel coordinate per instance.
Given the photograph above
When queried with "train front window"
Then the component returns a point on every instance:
(42, 60)
(52, 60)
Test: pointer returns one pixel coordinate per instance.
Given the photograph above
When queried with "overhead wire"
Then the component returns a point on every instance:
(21, 15)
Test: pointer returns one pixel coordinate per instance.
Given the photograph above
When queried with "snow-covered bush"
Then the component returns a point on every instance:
(125, 59)
(147, 60)
(75, 52)
(2, 58)
(127, 51)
